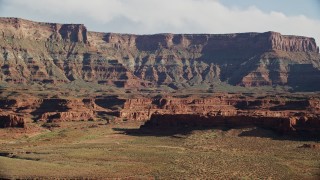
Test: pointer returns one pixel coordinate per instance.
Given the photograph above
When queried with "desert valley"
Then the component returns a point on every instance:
(82, 104)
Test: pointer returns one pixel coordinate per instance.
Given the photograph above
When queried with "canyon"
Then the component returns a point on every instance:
(53, 73)
(47, 54)
(298, 114)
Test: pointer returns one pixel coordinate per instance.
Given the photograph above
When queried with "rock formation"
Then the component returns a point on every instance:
(300, 117)
(284, 125)
(49, 53)
(11, 121)
(298, 114)
(220, 104)
(50, 57)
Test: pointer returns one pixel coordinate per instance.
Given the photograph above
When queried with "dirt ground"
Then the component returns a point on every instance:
(100, 151)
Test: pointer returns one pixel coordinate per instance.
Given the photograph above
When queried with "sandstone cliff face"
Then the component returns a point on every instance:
(292, 44)
(48, 53)
(283, 125)
(16, 111)
(298, 115)
(220, 105)
(68, 116)
(11, 121)
(24, 29)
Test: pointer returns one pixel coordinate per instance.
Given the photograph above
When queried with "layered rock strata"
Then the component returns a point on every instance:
(50, 53)
(11, 121)
(220, 105)
(300, 114)
(285, 125)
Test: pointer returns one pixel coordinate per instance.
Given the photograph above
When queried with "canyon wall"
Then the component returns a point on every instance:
(50, 53)
(21, 111)
(220, 105)
(288, 116)
(283, 125)
(67, 57)
(296, 116)
(11, 121)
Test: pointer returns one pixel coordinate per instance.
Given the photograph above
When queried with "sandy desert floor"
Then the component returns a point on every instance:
(100, 151)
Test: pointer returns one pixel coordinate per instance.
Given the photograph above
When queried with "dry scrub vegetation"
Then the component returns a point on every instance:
(98, 150)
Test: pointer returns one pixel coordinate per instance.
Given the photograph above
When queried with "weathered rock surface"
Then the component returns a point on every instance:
(194, 120)
(222, 105)
(52, 110)
(11, 121)
(68, 56)
(285, 125)
(67, 116)
(49, 53)
(296, 115)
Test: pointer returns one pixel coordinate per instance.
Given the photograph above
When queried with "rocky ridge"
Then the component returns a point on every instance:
(50, 53)
(295, 116)
(298, 114)
(63, 57)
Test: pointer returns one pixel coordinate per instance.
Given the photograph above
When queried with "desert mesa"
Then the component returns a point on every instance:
(77, 104)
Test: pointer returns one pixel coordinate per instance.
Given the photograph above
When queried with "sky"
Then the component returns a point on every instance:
(291, 17)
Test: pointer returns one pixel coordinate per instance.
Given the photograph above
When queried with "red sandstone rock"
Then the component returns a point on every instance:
(294, 44)
(49, 53)
(62, 53)
(283, 125)
(11, 121)
(282, 115)
(143, 108)
(68, 116)
(52, 109)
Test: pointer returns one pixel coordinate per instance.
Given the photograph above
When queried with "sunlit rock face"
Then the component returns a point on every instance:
(49, 53)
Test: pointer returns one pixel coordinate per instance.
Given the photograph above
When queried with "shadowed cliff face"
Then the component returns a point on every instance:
(289, 126)
(296, 110)
(43, 53)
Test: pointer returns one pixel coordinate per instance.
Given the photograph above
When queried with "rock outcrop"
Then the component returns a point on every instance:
(49, 53)
(68, 116)
(292, 44)
(298, 115)
(21, 29)
(221, 105)
(11, 121)
(49, 57)
(15, 111)
(284, 125)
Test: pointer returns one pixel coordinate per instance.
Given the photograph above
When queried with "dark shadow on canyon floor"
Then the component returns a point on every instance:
(180, 132)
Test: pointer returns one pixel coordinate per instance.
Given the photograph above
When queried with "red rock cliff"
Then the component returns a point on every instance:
(292, 43)
(21, 28)
(51, 53)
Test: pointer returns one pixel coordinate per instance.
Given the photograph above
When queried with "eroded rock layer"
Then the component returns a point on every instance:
(295, 116)
(285, 125)
(68, 73)
(286, 114)
(50, 53)
(11, 121)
